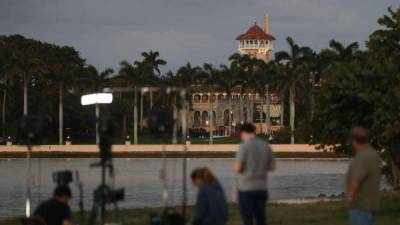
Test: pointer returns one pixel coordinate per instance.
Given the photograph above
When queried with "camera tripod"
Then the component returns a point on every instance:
(100, 199)
(104, 194)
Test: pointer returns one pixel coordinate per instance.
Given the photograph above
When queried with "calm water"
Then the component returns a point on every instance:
(140, 177)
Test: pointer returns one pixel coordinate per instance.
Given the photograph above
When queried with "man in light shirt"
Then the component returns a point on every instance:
(253, 162)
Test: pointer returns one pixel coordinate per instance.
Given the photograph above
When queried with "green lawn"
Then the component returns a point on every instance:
(323, 213)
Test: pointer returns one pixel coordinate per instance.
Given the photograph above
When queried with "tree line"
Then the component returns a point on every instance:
(47, 79)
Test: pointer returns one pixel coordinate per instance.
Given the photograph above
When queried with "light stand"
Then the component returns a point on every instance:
(105, 154)
(31, 127)
(97, 99)
(104, 193)
(28, 181)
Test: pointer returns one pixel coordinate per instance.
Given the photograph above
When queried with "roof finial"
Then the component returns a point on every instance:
(255, 22)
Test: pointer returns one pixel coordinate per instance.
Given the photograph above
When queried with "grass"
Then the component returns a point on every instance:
(322, 213)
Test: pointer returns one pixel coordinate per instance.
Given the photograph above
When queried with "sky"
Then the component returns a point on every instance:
(106, 32)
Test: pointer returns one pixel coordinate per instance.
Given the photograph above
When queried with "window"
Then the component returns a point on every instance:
(197, 118)
(197, 98)
(204, 118)
(205, 98)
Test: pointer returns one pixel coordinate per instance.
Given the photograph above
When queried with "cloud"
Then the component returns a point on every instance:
(200, 31)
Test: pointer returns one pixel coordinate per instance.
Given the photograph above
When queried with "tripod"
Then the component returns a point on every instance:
(104, 194)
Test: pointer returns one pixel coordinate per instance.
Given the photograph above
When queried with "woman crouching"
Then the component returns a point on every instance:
(211, 207)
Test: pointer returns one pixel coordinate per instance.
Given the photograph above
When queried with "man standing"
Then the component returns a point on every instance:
(253, 161)
(363, 179)
(56, 211)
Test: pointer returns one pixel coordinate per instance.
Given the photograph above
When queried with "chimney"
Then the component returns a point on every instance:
(266, 23)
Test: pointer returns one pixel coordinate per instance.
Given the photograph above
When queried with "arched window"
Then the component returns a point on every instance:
(204, 118)
(226, 117)
(197, 118)
(214, 98)
(204, 98)
(214, 118)
(197, 98)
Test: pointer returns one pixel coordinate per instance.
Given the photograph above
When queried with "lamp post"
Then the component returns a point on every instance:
(97, 99)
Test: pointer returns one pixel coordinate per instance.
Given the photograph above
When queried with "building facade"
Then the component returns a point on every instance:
(229, 112)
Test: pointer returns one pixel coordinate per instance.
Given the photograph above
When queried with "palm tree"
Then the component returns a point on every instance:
(247, 68)
(123, 103)
(292, 74)
(148, 69)
(185, 78)
(65, 80)
(242, 63)
(26, 61)
(264, 84)
(135, 75)
(4, 85)
(5, 82)
(171, 80)
(228, 81)
(339, 52)
(209, 77)
(152, 58)
(97, 81)
(65, 72)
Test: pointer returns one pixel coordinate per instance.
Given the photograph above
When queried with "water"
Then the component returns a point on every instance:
(140, 177)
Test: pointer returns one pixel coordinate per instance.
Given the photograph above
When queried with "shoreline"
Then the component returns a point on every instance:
(172, 155)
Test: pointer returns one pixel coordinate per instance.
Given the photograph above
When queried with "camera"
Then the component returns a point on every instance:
(115, 195)
(62, 178)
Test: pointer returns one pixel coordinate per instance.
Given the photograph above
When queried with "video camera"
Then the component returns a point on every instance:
(114, 195)
(62, 178)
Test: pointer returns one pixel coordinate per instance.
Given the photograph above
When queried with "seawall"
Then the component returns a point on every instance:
(154, 148)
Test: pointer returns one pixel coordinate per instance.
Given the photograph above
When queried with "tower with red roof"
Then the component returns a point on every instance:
(257, 42)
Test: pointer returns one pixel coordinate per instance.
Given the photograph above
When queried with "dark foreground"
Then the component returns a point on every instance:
(322, 213)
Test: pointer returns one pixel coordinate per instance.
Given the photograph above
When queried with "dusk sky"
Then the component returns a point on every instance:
(197, 31)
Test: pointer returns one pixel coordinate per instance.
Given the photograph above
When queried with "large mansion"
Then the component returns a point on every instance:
(246, 107)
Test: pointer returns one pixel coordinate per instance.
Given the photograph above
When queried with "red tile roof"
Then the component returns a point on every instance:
(255, 33)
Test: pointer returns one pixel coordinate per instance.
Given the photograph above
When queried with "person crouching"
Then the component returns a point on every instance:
(56, 210)
(211, 207)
